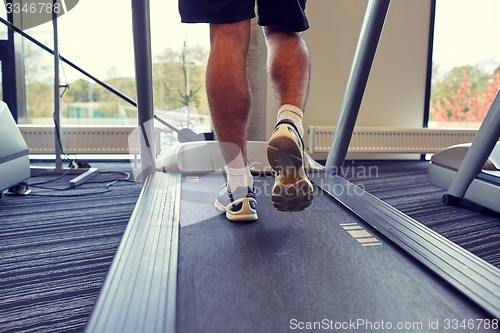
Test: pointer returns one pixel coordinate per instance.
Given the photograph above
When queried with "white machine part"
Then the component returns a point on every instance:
(484, 188)
(472, 173)
(14, 160)
(206, 156)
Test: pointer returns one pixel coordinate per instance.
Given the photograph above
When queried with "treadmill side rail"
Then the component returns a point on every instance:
(469, 274)
(478, 153)
(139, 293)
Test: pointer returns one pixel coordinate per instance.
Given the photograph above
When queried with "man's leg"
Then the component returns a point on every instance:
(229, 99)
(228, 88)
(289, 69)
(289, 66)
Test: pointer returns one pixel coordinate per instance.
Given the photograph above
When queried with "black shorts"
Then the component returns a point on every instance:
(289, 14)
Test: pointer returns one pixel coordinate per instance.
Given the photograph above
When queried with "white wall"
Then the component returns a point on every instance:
(395, 93)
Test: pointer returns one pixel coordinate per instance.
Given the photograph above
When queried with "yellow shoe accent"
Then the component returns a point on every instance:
(292, 190)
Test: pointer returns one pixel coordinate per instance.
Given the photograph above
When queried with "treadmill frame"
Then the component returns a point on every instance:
(469, 274)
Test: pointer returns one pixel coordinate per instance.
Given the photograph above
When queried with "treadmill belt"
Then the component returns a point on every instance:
(323, 266)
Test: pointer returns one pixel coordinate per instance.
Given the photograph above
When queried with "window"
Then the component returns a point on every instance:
(39, 76)
(102, 45)
(180, 54)
(466, 62)
(3, 28)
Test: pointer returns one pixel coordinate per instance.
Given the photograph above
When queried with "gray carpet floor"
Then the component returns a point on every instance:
(56, 246)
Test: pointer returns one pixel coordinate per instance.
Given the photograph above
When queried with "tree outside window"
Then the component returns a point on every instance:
(466, 62)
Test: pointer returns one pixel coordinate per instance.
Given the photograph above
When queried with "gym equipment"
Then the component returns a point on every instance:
(471, 173)
(277, 274)
(14, 160)
(83, 173)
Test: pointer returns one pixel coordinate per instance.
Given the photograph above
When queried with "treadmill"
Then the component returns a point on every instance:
(349, 262)
(14, 160)
(471, 172)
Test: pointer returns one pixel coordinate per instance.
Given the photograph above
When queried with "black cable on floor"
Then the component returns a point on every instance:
(109, 184)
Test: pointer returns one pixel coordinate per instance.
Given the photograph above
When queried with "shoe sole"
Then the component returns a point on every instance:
(245, 214)
(292, 189)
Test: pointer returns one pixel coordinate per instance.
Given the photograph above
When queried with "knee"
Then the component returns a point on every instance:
(276, 31)
(230, 33)
(276, 35)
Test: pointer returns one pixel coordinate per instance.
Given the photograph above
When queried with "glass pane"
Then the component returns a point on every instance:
(3, 28)
(106, 51)
(87, 103)
(180, 54)
(104, 48)
(466, 62)
(39, 76)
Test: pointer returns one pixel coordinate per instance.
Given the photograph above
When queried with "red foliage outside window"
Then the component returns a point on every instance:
(465, 105)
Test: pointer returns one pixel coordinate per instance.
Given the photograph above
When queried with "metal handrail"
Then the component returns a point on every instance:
(185, 133)
(79, 69)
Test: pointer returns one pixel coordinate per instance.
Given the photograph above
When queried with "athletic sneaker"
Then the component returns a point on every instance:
(292, 190)
(239, 204)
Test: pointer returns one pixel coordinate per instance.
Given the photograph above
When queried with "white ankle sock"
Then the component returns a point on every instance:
(238, 177)
(293, 113)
